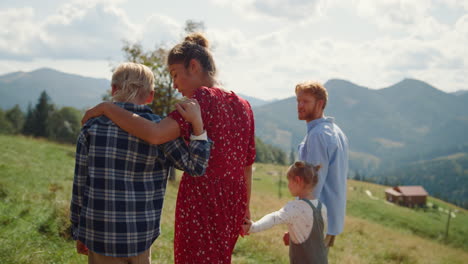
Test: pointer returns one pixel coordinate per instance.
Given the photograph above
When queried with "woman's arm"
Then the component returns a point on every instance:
(153, 133)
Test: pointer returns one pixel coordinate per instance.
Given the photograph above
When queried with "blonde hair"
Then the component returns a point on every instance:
(305, 171)
(315, 89)
(133, 80)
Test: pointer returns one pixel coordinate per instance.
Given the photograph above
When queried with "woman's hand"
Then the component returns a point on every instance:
(190, 111)
(246, 227)
(96, 111)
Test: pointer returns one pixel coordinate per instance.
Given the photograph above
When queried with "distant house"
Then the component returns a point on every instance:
(409, 196)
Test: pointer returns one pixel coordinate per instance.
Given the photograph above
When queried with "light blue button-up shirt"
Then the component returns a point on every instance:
(327, 145)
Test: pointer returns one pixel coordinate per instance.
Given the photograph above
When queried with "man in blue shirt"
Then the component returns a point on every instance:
(327, 145)
(120, 180)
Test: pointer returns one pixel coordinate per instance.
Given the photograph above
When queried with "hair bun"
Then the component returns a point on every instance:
(198, 38)
(299, 164)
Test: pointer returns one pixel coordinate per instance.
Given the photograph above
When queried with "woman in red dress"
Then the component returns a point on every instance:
(210, 209)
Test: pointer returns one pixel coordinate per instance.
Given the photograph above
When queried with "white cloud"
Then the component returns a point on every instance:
(394, 13)
(270, 65)
(454, 3)
(158, 30)
(269, 58)
(85, 30)
(402, 17)
(18, 31)
(292, 10)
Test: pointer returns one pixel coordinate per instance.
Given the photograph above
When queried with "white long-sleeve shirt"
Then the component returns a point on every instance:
(297, 215)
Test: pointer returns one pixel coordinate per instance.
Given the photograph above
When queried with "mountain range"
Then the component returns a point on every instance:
(408, 126)
(64, 89)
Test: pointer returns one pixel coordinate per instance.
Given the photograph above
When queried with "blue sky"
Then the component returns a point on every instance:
(262, 48)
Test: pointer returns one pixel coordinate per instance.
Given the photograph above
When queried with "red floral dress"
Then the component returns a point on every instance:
(210, 209)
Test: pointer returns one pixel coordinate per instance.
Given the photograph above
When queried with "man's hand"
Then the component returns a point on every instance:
(81, 248)
(94, 112)
(190, 111)
(329, 240)
(286, 238)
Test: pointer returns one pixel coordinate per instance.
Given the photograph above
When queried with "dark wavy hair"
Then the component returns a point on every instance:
(194, 46)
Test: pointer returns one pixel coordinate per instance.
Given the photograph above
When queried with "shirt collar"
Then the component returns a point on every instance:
(127, 106)
(134, 107)
(314, 123)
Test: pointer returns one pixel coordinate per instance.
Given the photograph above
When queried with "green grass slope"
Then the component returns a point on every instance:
(35, 188)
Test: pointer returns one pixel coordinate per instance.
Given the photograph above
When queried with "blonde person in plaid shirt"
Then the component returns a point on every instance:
(120, 180)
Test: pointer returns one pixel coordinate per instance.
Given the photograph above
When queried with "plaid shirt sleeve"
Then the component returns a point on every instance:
(192, 159)
(79, 182)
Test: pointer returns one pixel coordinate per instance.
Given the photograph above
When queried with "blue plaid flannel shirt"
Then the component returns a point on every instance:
(120, 182)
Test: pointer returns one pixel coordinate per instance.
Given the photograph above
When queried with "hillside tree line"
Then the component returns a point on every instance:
(46, 120)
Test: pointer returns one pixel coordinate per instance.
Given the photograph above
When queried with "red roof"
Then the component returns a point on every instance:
(411, 190)
(392, 192)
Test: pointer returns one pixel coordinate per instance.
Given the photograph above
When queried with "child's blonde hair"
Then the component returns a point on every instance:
(133, 80)
(304, 170)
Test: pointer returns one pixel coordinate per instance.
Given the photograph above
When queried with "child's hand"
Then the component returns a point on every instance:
(286, 238)
(81, 248)
(246, 227)
(329, 240)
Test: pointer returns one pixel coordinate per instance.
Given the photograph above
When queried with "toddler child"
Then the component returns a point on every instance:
(306, 217)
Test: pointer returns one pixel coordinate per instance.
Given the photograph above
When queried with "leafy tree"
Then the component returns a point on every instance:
(164, 96)
(28, 126)
(192, 26)
(292, 156)
(269, 154)
(16, 117)
(281, 157)
(41, 113)
(5, 125)
(64, 125)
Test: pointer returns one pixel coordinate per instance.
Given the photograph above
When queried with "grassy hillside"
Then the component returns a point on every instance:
(35, 188)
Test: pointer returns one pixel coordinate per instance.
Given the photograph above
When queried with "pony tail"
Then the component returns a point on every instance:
(317, 168)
